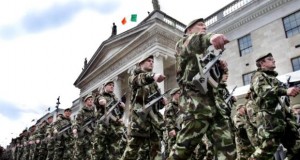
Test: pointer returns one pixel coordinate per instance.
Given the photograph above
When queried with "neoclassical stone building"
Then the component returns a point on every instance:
(252, 26)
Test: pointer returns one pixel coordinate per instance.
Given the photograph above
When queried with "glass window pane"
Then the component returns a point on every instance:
(291, 24)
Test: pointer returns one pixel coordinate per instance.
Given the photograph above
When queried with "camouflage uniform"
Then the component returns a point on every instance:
(63, 141)
(201, 109)
(32, 144)
(25, 147)
(83, 144)
(225, 127)
(145, 134)
(274, 123)
(50, 140)
(42, 145)
(173, 119)
(108, 133)
(243, 145)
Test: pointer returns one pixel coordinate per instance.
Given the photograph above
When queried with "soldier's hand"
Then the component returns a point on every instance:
(241, 111)
(74, 131)
(172, 133)
(120, 121)
(159, 77)
(122, 105)
(293, 91)
(102, 102)
(165, 101)
(218, 41)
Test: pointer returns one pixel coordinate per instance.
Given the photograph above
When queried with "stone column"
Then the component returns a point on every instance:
(159, 68)
(118, 86)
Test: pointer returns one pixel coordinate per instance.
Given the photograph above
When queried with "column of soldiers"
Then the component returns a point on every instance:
(198, 122)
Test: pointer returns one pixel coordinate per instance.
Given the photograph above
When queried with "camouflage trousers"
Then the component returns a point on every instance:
(50, 150)
(244, 147)
(24, 153)
(145, 136)
(272, 130)
(42, 151)
(63, 149)
(106, 142)
(33, 152)
(83, 147)
(140, 148)
(218, 131)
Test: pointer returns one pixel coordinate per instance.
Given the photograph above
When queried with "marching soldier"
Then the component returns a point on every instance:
(63, 137)
(49, 138)
(223, 135)
(32, 144)
(42, 136)
(108, 133)
(146, 128)
(172, 117)
(198, 98)
(83, 136)
(275, 123)
(244, 147)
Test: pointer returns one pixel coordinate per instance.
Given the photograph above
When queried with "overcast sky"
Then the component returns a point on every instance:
(43, 45)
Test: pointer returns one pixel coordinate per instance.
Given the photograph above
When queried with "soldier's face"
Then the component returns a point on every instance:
(199, 27)
(147, 65)
(50, 120)
(67, 114)
(109, 88)
(224, 77)
(268, 63)
(176, 95)
(89, 102)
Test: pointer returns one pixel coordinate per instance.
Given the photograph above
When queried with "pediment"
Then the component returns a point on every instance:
(125, 48)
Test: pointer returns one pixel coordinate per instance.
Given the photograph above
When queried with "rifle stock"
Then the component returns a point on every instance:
(201, 79)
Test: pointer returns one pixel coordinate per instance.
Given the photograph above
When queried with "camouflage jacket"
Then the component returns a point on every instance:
(266, 89)
(187, 49)
(172, 113)
(111, 100)
(142, 85)
(83, 116)
(61, 124)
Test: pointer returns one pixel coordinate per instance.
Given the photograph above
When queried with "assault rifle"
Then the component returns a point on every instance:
(89, 123)
(284, 101)
(204, 76)
(114, 108)
(229, 98)
(156, 97)
(59, 134)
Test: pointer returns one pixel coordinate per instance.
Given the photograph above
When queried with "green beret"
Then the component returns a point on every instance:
(296, 106)
(87, 97)
(145, 57)
(68, 109)
(173, 91)
(192, 23)
(262, 56)
(107, 82)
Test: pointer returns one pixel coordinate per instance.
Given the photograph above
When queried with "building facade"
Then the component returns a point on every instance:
(252, 26)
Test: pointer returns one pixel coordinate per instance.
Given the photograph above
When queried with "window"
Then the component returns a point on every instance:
(292, 24)
(296, 63)
(247, 78)
(245, 45)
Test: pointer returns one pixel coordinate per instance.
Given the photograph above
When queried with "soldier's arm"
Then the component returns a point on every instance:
(141, 79)
(198, 43)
